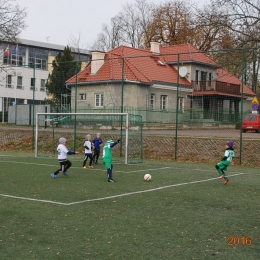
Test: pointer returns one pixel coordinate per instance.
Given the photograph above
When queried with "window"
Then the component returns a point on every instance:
(32, 83)
(19, 82)
(152, 105)
(199, 103)
(210, 78)
(220, 104)
(15, 54)
(163, 102)
(9, 81)
(43, 82)
(181, 104)
(98, 100)
(203, 76)
(38, 58)
(197, 76)
(82, 96)
(250, 117)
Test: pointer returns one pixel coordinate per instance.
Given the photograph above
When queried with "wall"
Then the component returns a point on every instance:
(134, 95)
(25, 92)
(191, 68)
(112, 95)
(23, 114)
(19, 115)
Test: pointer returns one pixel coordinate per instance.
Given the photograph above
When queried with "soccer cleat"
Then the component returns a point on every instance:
(221, 177)
(90, 167)
(53, 176)
(84, 167)
(65, 174)
(226, 181)
(110, 180)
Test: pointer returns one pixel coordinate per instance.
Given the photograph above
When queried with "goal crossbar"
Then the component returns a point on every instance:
(78, 114)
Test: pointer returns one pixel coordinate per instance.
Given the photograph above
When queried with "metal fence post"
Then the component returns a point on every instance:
(177, 110)
(122, 106)
(75, 108)
(242, 107)
(33, 110)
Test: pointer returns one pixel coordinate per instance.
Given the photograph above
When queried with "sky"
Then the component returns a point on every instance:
(56, 21)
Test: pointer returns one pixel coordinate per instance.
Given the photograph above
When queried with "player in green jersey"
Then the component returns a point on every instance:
(107, 158)
(225, 162)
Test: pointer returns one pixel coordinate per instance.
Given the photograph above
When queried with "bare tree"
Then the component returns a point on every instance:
(135, 20)
(129, 27)
(110, 37)
(145, 11)
(12, 20)
(77, 45)
(240, 16)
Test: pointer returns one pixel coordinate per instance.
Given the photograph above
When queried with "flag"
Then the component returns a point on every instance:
(15, 51)
(6, 51)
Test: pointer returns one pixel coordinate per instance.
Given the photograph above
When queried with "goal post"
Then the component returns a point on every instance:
(75, 126)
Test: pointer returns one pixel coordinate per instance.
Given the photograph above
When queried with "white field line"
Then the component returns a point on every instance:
(50, 165)
(119, 195)
(95, 169)
(23, 198)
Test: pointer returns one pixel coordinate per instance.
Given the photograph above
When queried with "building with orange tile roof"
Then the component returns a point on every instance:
(149, 79)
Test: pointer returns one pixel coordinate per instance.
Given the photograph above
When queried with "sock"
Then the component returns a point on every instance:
(109, 173)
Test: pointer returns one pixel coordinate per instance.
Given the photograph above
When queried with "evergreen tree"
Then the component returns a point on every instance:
(64, 67)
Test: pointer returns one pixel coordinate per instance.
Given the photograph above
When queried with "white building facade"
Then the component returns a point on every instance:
(24, 70)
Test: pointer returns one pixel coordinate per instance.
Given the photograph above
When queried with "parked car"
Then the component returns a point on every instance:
(251, 122)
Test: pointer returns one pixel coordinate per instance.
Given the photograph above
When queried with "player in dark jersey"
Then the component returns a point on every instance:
(97, 142)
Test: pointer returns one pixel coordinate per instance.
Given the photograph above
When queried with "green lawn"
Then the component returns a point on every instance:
(184, 213)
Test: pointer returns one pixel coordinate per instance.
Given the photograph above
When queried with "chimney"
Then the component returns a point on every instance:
(155, 47)
(97, 61)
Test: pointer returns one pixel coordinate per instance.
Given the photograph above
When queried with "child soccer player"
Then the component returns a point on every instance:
(107, 158)
(226, 160)
(96, 143)
(88, 152)
(65, 164)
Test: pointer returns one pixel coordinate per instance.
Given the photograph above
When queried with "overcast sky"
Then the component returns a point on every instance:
(54, 21)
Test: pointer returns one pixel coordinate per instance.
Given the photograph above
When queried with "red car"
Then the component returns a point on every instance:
(251, 122)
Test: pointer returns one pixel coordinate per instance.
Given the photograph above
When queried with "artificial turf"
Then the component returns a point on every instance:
(184, 213)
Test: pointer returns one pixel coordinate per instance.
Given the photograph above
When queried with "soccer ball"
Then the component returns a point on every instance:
(147, 177)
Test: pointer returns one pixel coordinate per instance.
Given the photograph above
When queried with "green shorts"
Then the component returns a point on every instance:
(223, 165)
(107, 164)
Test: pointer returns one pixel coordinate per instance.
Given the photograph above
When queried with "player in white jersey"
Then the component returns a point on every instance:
(65, 164)
(88, 152)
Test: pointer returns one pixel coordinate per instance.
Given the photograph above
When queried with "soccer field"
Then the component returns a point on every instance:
(183, 213)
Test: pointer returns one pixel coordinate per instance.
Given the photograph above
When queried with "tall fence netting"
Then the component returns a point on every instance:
(183, 105)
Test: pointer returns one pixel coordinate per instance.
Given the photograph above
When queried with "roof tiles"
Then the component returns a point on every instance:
(141, 65)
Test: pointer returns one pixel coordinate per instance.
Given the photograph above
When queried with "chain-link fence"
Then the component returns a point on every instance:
(190, 102)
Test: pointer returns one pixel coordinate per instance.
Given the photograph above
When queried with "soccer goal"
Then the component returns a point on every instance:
(75, 126)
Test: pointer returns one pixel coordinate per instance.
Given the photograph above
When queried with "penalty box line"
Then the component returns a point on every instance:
(150, 190)
(115, 196)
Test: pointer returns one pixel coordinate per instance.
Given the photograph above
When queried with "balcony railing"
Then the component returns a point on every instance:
(214, 85)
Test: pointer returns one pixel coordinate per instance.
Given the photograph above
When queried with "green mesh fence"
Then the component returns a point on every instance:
(184, 100)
